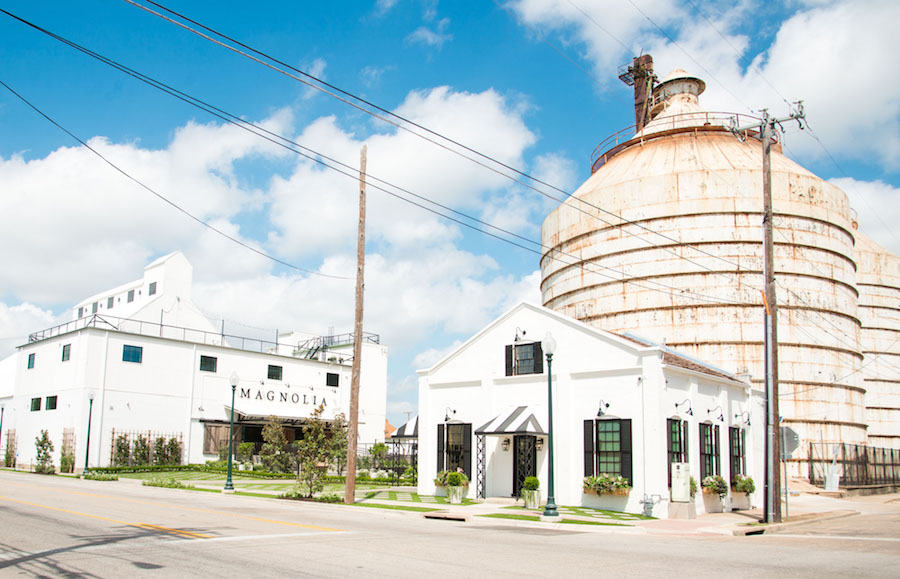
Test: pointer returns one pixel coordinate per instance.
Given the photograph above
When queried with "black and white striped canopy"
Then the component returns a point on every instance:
(520, 420)
(408, 430)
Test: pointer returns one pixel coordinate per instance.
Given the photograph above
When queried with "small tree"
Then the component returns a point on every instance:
(314, 451)
(160, 451)
(245, 451)
(66, 459)
(44, 447)
(273, 453)
(141, 451)
(10, 459)
(339, 431)
(123, 450)
(173, 451)
(378, 451)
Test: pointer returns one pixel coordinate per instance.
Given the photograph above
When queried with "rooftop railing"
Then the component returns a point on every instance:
(155, 329)
(663, 126)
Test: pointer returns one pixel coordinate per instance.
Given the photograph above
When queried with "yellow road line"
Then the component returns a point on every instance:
(156, 504)
(139, 525)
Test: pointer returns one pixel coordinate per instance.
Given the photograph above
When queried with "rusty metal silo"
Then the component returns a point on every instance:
(665, 240)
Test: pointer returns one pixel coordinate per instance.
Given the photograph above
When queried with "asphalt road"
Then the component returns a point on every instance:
(63, 527)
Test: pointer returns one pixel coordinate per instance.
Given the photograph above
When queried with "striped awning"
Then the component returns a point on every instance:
(519, 420)
(408, 430)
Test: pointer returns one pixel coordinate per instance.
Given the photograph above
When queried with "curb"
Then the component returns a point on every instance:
(778, 527)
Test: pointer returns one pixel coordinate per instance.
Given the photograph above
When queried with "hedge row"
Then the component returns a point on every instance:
(244, 473)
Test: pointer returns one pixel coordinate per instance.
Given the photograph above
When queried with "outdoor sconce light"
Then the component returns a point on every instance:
(539, 444)
(721, 417)
(602, 406)
(448, 413)
(690, 410)
(740, 416)
(505, 445)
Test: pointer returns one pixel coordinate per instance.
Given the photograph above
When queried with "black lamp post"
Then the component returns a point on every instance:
(233, 380)
(87, 445)
(548, 344)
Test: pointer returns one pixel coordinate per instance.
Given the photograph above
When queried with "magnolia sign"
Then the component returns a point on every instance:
(283, 397)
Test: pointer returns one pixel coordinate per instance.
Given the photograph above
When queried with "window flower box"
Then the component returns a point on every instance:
(606, 484)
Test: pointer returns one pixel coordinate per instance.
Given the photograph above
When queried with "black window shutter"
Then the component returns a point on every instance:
(717, 470)
(440, 447)
(467, 450)
(509, 360)
(671, 428)
(625, 445)
(685, 447)
(588, 448)
(538, 358)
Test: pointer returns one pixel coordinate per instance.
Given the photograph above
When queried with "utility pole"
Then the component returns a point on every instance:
(772, 508)
(352, 435)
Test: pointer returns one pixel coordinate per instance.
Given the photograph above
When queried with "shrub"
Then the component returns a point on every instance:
(66, 459)
(98, 476)
(607, 484)
(10, 459)
(454, 480)
(273, 452)
(444, 478)
(532, 483)
(715, 484)
(694, 487)
(330, 498)
(44, 447)
(743, 484)
(410, 475)
(165, 482)
(378, 452)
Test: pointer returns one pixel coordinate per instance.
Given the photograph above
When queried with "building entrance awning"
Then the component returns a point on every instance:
(519, 420)
(408, 431)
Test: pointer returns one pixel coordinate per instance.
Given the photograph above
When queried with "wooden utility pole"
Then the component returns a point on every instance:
(772, 499)
(350, 484)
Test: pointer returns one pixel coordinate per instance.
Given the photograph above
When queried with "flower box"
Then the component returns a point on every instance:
(621, 492)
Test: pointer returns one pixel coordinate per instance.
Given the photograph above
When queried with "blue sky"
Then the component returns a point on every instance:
(481, 72)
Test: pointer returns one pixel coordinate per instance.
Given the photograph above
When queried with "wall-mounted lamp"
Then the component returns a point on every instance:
(690, 410)
(520, 334)
(448, 413)
(539, 444)
(743, 417)
(600, 411)
(262, 382)
(721, 417)
(505, 444)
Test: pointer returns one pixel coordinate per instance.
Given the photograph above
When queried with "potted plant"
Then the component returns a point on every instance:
(531, 493)
(456, 487)
(714, 491)
(606, 484)
(741, 488)
(694, 487)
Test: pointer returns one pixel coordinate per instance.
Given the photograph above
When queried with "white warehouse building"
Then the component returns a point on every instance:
(142, 360)
(621, 406)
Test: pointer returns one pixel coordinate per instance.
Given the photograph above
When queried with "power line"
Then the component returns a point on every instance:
(350, 173)
(400, 127)
(165, 199)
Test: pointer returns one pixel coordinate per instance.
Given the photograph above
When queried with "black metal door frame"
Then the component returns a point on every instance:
(524, 460)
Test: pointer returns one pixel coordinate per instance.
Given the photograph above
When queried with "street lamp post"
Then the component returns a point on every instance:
(87, 444)
(548, 344)
(233, 380)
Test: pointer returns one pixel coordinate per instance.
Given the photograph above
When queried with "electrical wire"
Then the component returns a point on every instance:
(165, 199)
(620, 219)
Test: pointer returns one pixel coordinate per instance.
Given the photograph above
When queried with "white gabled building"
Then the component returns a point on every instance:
(141, 359)
(620, 405)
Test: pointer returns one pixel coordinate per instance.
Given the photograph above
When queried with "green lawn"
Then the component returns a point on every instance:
(537, 518)
(594, 513)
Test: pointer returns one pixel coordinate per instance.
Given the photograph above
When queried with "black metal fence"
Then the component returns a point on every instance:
(855, 463)
(399, 458)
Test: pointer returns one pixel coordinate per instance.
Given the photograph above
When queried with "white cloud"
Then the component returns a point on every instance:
(315, 68)
(877, 209)
(17, 322)
(435, 37)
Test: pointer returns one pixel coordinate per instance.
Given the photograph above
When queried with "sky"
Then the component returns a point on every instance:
(531, 84)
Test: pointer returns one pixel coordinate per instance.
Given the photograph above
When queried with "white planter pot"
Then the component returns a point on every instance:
(740, 501)
(712, 503)
(532, 499)
(456, 494)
